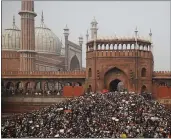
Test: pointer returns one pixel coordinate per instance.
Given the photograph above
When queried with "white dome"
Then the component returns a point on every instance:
(11, 38)
(46, 41)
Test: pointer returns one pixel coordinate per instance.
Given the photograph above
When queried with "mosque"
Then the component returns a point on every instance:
(49, 49)
(35, 56)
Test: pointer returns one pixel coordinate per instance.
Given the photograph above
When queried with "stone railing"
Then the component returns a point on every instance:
(54, 74)
(120, 43)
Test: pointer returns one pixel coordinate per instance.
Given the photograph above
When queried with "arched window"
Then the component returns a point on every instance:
(89, 72)
(162, 84)
(143, 72)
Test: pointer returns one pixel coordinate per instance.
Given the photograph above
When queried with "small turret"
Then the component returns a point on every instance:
(150, 35)
(81, 43)
(94, 29)
(136, 37)
(66, 34)
(66, 31)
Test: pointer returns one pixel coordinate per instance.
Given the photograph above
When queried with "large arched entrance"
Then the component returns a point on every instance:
(115, 80)
(116, 85)
(74, 63)
(113, 86)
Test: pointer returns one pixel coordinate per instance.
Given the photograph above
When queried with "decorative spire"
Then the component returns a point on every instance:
(66, 27)
(13, 20)
(66, 31)
(150, 34)
(136, 31)
(80, 40)
(94, 21)
(115, 35)
(42, 18)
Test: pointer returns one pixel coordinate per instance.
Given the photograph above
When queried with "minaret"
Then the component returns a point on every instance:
(136, 60)
(27, 50)
(66, 34)
(87, 35)
(81, 43)
(42, 18)
(136, 36)
(150, 35)
(94, 29)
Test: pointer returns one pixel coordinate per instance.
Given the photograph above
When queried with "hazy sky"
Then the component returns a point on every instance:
(113, 17)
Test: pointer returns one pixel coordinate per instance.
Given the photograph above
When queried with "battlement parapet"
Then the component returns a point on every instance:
(162, 73)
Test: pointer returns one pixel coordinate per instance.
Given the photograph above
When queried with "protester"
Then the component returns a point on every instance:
(94, 115)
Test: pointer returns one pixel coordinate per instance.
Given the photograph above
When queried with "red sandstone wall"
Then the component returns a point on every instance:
(49, 60)
(78, 90)
(10, 61)
(69, 91)
(162, 92)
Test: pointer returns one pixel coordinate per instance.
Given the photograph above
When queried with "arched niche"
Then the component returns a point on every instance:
(74, 64)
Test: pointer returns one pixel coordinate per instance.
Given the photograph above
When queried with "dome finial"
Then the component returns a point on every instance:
(94, 21)
(150, 34)
(136, 31)
(42, 19)
(115, 34)
(13, 20)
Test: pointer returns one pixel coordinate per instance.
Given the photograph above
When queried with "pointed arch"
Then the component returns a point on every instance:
(9, 85)
(89, 72)
(143, 72)
(74, 64)
(38, 85)
(68, 84)
(112, 74)
(19, 85)
(28, 86)
(116, 69)
(58, 86)
(51, 85)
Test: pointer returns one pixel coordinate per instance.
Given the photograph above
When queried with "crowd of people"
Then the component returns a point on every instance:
(94, 115)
